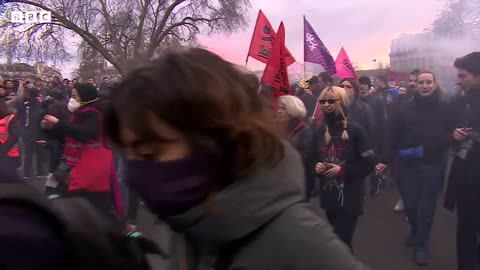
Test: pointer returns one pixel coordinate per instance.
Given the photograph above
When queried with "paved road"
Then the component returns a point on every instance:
(379, 240)
(379, 237)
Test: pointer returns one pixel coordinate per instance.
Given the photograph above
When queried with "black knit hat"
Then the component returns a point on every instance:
(86, 91)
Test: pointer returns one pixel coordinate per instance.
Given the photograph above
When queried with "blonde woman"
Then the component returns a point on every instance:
(344, 157)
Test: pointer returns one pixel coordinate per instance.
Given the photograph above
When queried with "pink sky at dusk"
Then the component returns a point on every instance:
(364, 27)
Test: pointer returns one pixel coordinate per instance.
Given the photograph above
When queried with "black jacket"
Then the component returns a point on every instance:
(25, 233)
(378, 109)
(362, 114)
(30, 113)
(355, 156)
(464, 180)
(310, 102)
(423, 121)
(84, 128)
(300, 136)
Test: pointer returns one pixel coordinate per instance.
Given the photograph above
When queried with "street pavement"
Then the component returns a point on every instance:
(379, 238)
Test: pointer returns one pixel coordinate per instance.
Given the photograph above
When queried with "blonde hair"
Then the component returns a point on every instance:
(295, 107)
(340, 94)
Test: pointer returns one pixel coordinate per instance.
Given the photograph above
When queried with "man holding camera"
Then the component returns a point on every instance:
(463, 192)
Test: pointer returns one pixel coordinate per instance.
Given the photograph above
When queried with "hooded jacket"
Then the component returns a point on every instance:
(259, 222)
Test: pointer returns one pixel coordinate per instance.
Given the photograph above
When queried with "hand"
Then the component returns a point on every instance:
(48, 121)
(333, 171)
(460, 134)
(380, 168)
(320, 168)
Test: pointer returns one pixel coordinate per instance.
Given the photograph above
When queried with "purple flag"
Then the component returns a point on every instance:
(315, 51)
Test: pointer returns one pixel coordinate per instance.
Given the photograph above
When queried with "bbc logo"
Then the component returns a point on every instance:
(31, 17)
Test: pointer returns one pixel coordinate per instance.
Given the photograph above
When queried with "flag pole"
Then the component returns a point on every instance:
(250, 47)
(304, 66)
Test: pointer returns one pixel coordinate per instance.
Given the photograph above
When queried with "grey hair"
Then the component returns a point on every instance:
(295, 106)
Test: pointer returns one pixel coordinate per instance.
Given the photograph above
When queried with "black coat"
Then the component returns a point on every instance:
(463, 186)
(310, 102)
(379, 133)
(355, 156)
(362, 114)
(300, 136)
(86, 126)
(26, 233)
(30, 113)
(421, 122)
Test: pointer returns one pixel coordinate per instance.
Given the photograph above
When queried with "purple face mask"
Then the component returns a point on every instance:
(170, 188)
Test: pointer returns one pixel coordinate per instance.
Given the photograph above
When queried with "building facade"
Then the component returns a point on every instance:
(23, 71)
(427, 51)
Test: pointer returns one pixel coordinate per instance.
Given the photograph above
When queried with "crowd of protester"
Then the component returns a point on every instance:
(235, 175)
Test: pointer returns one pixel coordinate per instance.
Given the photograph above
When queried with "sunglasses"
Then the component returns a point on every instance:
(329, 101)
(346, 86)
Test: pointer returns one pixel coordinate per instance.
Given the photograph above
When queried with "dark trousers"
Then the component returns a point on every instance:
(55, 151)
(34, 153)
(468, 238)
(419, 186)
(10, 164)
(132, 208)
(344, 224)
(102, 202)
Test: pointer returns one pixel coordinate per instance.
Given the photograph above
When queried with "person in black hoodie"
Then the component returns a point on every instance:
(30, 113)
(359, 111)
(55, 105)
(419, 137)
(463, 189)
(378, 109)
(381, 87)
(343, 158)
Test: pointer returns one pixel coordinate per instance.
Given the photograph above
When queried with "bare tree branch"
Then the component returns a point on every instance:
(124, 33)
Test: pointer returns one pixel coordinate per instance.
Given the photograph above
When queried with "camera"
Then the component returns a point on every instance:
(468, 144)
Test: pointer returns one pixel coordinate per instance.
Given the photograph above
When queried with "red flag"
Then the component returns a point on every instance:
(275, 74)
(262, 41)
(344, 66)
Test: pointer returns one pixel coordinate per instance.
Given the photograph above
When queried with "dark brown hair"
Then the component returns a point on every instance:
(204, 97)
(326, 77)
(469, 62)
(355, 85)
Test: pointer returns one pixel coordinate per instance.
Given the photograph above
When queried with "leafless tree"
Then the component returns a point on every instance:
(458, 18)
(124, 32)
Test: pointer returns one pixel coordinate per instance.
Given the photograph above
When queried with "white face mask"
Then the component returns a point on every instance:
(73, 105)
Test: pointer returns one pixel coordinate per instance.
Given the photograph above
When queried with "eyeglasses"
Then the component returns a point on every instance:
(346, 86)
(329, 101)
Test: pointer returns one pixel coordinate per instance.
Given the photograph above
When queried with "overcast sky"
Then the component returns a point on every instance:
(364, 27)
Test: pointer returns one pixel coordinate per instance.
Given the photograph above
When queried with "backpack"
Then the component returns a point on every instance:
(91, 242)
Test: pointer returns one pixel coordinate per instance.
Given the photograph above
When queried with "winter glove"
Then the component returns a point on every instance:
(411, 153)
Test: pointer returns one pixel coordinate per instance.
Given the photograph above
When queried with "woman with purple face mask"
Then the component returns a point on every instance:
(206, 157)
